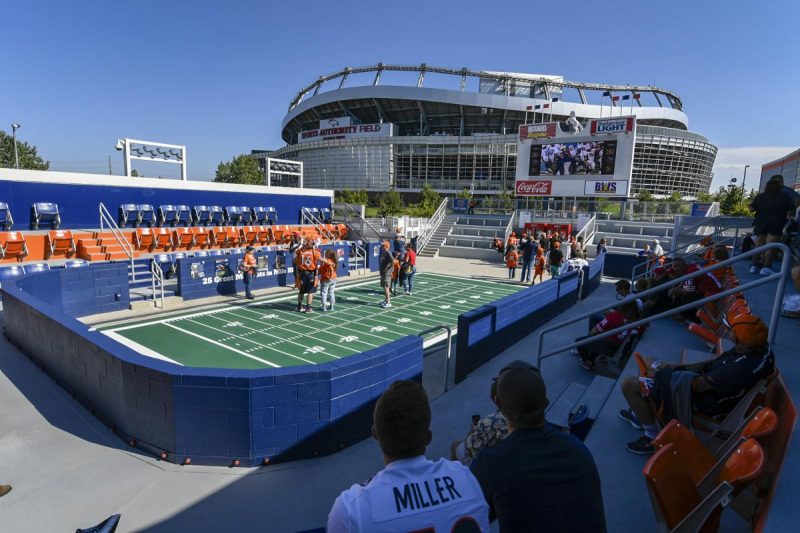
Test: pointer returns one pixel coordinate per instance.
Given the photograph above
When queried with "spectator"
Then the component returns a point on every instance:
(658, 250)
(538, 265)
(645, 252)
(327, 280)
(411, 493)
(555, 259)
(395, 273)
(409, 269)
(544, 243)
(601, 248)
(385, 267)
(399, 242)
(528, 248)
(660, 301)
(686, 292)
(248, 269)
(511, 262)
(537, 478)
(716, 384)
(485, 432)
(772, 207)
(608, 346)
(580, 249)
(512, 240)
(306, 260)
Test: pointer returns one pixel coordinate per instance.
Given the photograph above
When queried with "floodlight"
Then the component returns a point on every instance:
(120, 145)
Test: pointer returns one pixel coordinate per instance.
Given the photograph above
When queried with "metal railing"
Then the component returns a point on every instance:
(780, 276)
(360, 262)
(588, 231)
(509, 227)
(318, 224)
(359, 224)
(433, 224)
(157, 276)
(107, 220)
(449, 349)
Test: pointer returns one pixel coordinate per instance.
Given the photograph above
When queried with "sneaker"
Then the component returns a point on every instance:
(630, 417)
(385, 304)
(301, 309)
(766, 271)
(754, 269)
(641, 446)
(308, 309)
(331, 308)
(250, 297)
(409, 293)
(322, 309)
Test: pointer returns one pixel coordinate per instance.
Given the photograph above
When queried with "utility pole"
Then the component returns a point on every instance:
(744, 178)
(109, 165)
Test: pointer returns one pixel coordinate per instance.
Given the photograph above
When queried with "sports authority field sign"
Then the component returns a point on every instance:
(333, 129)
(555, 160)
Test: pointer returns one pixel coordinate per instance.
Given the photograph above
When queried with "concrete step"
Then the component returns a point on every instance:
(558, 412)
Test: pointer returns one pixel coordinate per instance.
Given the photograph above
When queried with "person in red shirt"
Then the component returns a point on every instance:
(538, 265)
(686, 292)
(409, 269)
(714, 281)
(327, 280)
(511, 262)
(248, 269)
(306, 260)
(607, 346)
(512, 241)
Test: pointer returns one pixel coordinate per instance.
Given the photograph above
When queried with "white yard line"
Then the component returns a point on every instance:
(212, 341)
(144, 350)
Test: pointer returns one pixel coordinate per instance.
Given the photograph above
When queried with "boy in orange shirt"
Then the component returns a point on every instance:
(327, 280)
(538, 265)
(395, 273)
(511, 262)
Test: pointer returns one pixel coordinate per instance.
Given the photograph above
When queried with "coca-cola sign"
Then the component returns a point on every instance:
(533, 187)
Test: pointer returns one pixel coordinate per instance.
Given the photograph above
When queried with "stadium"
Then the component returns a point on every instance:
(397, 126)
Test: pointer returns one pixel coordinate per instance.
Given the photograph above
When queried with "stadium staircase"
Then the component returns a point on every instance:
(439, 236)
(471, 236)
(630, 237)
(101, 246)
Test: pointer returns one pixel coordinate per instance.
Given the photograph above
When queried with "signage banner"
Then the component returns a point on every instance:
(537, 131)
(533, 187)
(612, 125)
(335, 122)
(347, 132)
(605, 188)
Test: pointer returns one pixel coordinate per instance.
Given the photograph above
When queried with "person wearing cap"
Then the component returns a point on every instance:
(306, 260)
(386, 267)
(716, 386)
(538, 478)
(411, 493)
(248, 269)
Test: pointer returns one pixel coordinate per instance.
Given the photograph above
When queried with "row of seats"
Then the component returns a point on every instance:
(323, 215)
(135, 215)
(41, 213)
(149, 239)
(13, 244)
(16, 271)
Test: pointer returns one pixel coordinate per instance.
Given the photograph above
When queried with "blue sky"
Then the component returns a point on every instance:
(218, 76)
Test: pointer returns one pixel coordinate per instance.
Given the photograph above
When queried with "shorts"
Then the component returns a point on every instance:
(768, 227)
(386, 279)
(306, 284)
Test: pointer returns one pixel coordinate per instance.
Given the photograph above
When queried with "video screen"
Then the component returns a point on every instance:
(570, 159)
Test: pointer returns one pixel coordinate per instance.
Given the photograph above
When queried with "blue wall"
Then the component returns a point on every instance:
(78, 203)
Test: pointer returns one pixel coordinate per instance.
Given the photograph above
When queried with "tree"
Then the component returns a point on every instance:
(505, 200)
(734, 202)
(675, 197)
(464, 193)
(429, 200)
(241, 169)
(390, 203)
(645, 196)
(705, 197)
(352, 197)
(28, 156)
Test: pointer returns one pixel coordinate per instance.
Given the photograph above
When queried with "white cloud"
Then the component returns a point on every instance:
(730, 163)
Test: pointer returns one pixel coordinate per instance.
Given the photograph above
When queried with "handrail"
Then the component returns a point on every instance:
(433, 224)
(585, 230)
(773, 322)
(449, 349)
(157, 275)
(318, 224)
(363, 221)
(106, 217)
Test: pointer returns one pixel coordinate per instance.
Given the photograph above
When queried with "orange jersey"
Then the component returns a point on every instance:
(708, 257)
(396, 269)
(307, 259)
(327, 271)
(512, 241)
(249, 262)
(538, 264)
(511, 259)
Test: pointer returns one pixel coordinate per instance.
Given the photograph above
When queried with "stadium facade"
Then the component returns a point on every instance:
(787, 166)
(456, 128)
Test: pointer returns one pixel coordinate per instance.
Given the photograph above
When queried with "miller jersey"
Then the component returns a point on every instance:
(413, 495)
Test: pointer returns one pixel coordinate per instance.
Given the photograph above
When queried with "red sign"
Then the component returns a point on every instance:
(537, 131)
(533, 188)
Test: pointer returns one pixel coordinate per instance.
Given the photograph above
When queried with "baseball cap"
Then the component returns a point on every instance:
(521, 389)
(249, 249)
(747, 329)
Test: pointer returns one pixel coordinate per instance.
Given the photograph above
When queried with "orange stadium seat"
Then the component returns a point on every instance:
(59, 241)
(201, 236)
(144, 239)
(12, 244)
(162, 238)
(182, 238)
(248, 234)
(224, 236)
(262, 234)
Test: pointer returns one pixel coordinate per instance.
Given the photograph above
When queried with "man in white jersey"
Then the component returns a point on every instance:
(411, 493)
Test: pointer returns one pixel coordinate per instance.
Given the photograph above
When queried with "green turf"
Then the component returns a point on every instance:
(271, 333)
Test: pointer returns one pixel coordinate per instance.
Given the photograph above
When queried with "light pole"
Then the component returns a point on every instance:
(14, 128)
(324, 178)
(744, 178)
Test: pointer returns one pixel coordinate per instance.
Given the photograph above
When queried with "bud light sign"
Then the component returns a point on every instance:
(614, 125)
(533, 188)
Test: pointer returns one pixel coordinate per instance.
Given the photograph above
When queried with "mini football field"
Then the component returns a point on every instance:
(269, 332)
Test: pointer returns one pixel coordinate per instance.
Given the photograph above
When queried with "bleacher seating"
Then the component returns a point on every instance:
(259, 215)
(59, 241)
(200, 215)
(248, 234)
(182, 238)
(76, 263)
(326, 215)
(165, 262)
(679, 504)
(215, 215)
(13, 271)
(233, 215)
(147, 215)
(45, 213)
(183, 215)
(145, 238)
(216, 252)
(128, 215)
(6, 220)
(36, 267)
(13, 244)
(167, 215)
(263, 234)
(247, 215)
(202, 253)
(311, 212)
(201, 236)
(224, 236)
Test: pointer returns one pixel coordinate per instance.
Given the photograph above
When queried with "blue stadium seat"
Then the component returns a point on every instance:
(326, 215)
(216, 252)
(233, 215)
(201, 253)
(259, 215)
(200, 215)
(166, 264)
(272, 215)
(45, 213)
(312, 212)
(147, 216)
(37, 267)
(247, 216)
(6, 221)
(128, 215)
(236, 251)
(76, 263)
(215, 215)
(183, 215)
(167, 216)
(11, 272)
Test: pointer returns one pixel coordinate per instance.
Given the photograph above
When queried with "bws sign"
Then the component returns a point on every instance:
(533, 187)
(612, 125)
(605, 188)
